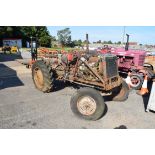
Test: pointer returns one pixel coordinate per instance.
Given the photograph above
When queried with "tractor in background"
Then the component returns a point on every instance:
(10, 49)
(6, 48)
(132, 61)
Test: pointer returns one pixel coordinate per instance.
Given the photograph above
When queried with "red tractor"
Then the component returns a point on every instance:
(105, 49)
(129, 60)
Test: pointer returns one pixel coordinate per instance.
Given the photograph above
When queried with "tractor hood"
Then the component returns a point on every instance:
(130, 52)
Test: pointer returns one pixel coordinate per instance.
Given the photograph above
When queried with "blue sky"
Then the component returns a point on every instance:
(140, 34)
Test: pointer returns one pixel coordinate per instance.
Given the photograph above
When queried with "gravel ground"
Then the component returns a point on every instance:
(22, 106)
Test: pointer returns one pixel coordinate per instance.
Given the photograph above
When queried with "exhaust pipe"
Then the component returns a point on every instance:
(127, 43)
(87, 43)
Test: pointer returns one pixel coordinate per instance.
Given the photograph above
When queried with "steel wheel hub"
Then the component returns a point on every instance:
(135, 81)
(86, 105)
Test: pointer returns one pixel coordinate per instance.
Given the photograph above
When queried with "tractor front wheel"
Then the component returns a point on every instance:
(87, 103)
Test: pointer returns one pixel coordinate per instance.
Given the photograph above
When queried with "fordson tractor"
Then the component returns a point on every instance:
(96, 74)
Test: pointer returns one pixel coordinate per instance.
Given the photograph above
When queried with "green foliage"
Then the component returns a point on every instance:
(107, 42)
(64, 37)
(39, 32)
(10, 31)
(99, 42)
(119, 42)
(110, 42)
(54, 43)
(85, 42)
(53, 38)
(25, 32)
(76, 43)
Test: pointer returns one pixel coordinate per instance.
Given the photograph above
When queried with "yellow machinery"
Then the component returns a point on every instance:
(14, 49)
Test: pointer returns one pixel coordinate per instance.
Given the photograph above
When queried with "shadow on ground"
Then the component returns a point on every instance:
(8, 77)
(9, 57)
(121, 127)
(59, 85)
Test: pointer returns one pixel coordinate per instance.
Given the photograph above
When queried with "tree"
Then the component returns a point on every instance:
(64, 37)
(25, 32)
(77, 42)
(105, 42)
(9, 32)
(39, 32)
(85, 42)
(119, 42)
(99, 41)
(109, 42)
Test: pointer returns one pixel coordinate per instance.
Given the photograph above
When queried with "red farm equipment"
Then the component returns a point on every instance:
(130, 60)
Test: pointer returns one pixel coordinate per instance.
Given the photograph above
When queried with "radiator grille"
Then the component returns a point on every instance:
(111, 67)
(141, 60)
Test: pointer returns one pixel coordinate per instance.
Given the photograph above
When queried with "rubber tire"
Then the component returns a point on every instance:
(47, 76)
(117, 93)
(149, 66)
(141, 81)
(100, 105)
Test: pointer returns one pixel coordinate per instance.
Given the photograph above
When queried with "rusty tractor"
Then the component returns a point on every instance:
(97, 75)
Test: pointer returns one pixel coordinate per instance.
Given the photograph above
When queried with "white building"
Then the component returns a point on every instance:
(13, 42)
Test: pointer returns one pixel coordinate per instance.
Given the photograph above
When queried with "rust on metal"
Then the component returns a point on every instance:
(91, 71)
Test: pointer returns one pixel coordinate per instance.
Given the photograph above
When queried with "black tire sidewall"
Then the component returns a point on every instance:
(40, 64)
(100, 105)
(124, 96)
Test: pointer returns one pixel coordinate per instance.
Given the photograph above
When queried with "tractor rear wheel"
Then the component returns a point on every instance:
(42, 76)
(121, 93)
(87, 103)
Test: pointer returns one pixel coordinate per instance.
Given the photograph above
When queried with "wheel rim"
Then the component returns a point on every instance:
(86, 105)
(135, 81)
(38, 78)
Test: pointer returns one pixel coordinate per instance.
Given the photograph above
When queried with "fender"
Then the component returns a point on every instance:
(148, 72)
